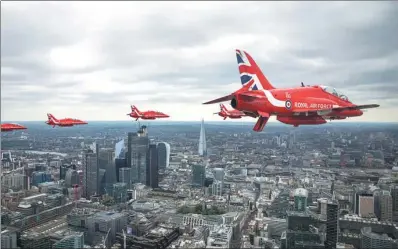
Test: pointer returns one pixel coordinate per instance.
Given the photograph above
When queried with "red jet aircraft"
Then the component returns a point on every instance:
(12, 127)
(63, 122)
(305, 105)
(233, 114)
(147, 115)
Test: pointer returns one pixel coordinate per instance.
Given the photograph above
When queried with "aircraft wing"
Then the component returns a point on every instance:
(355, 107)
(222, 99)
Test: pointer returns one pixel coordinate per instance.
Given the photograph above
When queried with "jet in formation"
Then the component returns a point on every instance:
(146, 115)
(232, 114)
(12, 127)
(304, 105)
(66, 122)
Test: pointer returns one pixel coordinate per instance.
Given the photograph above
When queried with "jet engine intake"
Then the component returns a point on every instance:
(234, 103)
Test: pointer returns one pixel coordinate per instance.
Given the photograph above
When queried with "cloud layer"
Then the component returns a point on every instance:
(91, 60)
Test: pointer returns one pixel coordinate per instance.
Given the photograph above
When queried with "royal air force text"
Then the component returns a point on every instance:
(312, 106)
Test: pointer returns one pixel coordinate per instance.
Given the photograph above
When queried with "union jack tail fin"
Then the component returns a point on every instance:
(52, 118)
(135, 110)
(249, 72)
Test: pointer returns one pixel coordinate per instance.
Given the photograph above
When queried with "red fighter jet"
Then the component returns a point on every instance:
(147, 115)
(63, 122)
(305, 105)
(233, 114)
(12, 127)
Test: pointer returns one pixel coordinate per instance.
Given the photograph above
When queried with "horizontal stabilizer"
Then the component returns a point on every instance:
(222, 99)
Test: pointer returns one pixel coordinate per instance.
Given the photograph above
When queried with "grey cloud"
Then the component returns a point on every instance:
(313, 30)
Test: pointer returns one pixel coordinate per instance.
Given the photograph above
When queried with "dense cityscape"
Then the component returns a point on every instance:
(200, 185)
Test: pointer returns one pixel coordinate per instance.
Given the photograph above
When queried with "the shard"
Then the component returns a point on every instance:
(202, 140)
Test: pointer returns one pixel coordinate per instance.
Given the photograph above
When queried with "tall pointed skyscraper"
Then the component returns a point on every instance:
(202, 140)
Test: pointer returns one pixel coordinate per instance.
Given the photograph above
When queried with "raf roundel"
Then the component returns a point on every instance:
(288, 104)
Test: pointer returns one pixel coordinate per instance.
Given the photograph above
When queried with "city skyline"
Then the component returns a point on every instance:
(93, 60)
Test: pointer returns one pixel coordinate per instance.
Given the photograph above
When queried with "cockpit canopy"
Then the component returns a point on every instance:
(335, 92)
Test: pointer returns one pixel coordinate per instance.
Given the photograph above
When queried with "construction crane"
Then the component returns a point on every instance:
(124, 239)
(105, 238)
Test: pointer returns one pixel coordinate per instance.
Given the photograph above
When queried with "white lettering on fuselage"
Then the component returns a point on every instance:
(300, 105)
(321, 106)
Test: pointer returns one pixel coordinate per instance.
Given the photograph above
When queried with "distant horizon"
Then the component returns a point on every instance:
(199, 121)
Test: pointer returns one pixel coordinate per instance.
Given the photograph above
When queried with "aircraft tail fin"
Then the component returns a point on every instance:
(223, 108)
(52, 118)
(249, 71)
(135, 110)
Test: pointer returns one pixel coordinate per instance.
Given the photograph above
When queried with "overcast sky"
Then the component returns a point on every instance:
(91, 60)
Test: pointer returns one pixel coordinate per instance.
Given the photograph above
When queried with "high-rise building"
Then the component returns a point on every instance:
(106, 160)
(152, 177)
(366, 206)
(332, 223)
(385, 206)
(202, 149)
(394, 195)
(374, 240)
(125, 176)
(120, 157)
(137, 149)
(163, 155)
(301, 232)
(120, 192)
(71, 178)
(198, 175)
(91, 175)
(300, 199)
(40, 177)
(75, 241)
(101, 223)
(120, 149)
(120, 163)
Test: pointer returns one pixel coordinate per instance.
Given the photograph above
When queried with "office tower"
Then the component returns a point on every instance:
(300, 199)
(217, 188)
(366, 206)
(120, 163)
(75, 241)
(71, 178)
(40, 177)
(385, 205)
(120, 157)
(120, 192)
(332, 219)
(120, 150)
(137, 148)
(91, 174)
(301, 232)
(106, 160)
(62, 171)
(202, 149)
(198, 175)
(101, 222)
(152, 177)
(163, 155)
(125, 176)
(219, 176)
(374, 240)
(394, 195)
(8, 239)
